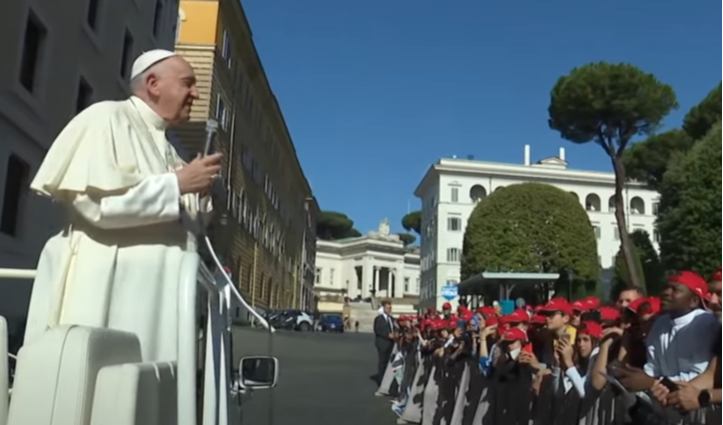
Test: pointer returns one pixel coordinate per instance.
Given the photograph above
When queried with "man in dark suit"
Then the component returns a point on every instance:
(384, 337)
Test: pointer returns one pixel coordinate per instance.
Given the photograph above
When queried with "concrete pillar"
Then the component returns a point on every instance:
(377, 271)
(399, 281)
(367, 276)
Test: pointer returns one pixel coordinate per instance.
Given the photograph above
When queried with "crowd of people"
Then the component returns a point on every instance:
(642, 359)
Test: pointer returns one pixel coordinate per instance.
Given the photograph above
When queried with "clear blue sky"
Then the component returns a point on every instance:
(375, 91)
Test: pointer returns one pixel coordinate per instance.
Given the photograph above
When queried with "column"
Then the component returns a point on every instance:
(376, 279)
(367, 270)
(399, 281)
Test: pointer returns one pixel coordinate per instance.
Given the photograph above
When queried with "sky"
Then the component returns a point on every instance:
(375, 91)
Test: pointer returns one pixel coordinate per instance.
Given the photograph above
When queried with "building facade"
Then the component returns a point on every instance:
(58, 57)
(451, 188)
(377, 262)
(270, 209)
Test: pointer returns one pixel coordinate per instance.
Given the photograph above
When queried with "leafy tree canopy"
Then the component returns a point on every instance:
(689, 220)
(333, 225)
(621, 274)
(648, 160)
(407, 238)
(413, 221)
(703, 116)
(608, 104)
(531, 227)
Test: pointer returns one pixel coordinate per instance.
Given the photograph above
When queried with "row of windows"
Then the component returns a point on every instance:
(616, 232)
(245, 96)
(257, 225)
(35, 40)
(592, 201)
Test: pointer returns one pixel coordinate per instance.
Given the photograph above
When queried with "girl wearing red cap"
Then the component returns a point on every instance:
(577, 361)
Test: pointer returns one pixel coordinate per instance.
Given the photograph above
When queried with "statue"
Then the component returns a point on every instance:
(384, 227)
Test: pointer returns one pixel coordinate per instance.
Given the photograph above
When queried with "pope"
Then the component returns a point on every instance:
(127, 195)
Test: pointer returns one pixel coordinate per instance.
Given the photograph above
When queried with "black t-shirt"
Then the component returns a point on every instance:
(716, 352)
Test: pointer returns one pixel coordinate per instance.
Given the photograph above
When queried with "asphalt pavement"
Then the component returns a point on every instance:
(324, 379)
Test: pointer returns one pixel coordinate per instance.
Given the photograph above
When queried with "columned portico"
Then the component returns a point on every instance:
(376, 262)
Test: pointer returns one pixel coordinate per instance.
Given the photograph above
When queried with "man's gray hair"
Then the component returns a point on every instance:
(138, 82)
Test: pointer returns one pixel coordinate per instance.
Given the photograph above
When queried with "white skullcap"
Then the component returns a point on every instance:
(148, 59)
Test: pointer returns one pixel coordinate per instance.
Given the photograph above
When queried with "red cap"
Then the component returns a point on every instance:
(517, 316)
(491, 321)
(609, 314)
(692, 281)
(590, 328)
(446, 306)
(487, 311)
(592, 302)
(580, 305)
(716, 276)
(646, 305)
(514, 334)
(558, 304)
(467, 316)
(539, 319)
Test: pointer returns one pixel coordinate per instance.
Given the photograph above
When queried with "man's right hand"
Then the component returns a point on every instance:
(197, 176)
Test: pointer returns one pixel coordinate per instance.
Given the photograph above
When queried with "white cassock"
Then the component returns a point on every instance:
(117, 263)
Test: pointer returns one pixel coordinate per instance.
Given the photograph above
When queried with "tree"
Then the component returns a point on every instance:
(689, 218)
(647, 266)
(648, 160)
(703, 116)
(609, 104)
(413, 221)
(621, 274)
(650, 261)
(407, 238)
(532, 227)
(333, 225)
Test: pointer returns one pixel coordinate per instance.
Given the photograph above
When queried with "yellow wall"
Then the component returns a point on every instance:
(199, 22)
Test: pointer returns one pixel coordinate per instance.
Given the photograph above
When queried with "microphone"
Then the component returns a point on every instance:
(211, 129)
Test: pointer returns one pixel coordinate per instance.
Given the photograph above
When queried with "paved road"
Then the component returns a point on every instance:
(323, 379)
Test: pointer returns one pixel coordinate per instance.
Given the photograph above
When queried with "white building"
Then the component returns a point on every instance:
(58, 57)
(378, 261)
(452, 187)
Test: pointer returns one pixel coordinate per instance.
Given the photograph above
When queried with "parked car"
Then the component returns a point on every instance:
(295, 320)
(331, 323)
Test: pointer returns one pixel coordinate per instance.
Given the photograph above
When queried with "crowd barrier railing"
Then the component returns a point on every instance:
(440, 391)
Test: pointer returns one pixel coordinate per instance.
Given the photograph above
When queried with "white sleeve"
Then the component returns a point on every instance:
(154, 200)
(577, 381)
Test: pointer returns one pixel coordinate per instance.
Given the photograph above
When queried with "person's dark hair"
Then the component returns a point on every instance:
(386, 303)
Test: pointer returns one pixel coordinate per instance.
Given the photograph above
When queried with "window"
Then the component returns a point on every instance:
(656, 236)
(158, 19)
(85, 95)
(317, 276)
(331, 277)
(597, 231)
(92, 16)
(16, 178)
(33, 46)
(226, 48)
(126, 55)
(454, 224)
(453, 255)
(616, 233)
(455, 194)
(222, 115)
(656, 208)
(417, 285)
(406, 285)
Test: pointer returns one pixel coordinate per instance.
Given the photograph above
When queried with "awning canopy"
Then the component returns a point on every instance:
(474, 284)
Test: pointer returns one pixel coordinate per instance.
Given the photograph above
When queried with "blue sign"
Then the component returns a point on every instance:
(449, 292)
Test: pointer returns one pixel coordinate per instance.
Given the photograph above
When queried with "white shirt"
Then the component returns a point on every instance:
(573, 378)
(680, 348)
